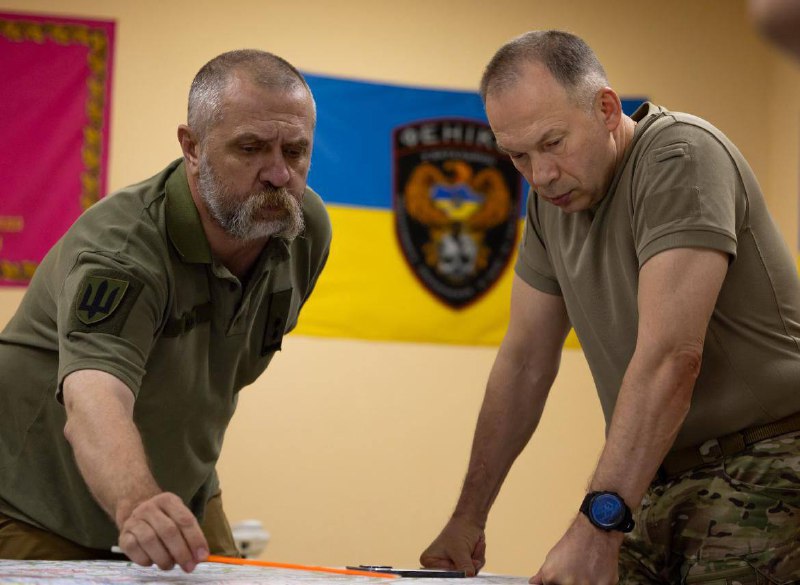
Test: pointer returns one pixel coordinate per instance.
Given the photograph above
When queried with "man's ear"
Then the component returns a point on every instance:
(609, 107)
(190, 147)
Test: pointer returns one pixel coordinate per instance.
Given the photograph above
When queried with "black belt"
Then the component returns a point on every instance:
(714, 450)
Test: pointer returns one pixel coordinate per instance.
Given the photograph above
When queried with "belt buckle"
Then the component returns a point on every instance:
(711, 451)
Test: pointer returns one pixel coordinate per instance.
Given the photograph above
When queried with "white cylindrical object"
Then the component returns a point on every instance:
(250, 537)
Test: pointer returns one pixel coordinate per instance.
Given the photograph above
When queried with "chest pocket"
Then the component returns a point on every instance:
(279, 306)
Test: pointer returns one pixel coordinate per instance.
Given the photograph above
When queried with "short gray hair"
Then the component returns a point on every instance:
(568, 58)
(209, 85)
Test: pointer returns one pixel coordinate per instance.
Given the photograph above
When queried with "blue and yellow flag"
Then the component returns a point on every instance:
(426, 215)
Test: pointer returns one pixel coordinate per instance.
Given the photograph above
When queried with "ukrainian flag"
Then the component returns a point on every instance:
(370, 289)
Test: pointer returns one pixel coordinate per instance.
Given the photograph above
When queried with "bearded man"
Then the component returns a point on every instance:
(121, 369)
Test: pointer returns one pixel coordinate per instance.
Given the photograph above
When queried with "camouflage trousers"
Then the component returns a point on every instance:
(736, 522)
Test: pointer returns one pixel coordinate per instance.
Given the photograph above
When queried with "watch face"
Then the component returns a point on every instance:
(607, 510)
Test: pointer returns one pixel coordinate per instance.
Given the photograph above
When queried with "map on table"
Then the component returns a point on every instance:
(125, 572)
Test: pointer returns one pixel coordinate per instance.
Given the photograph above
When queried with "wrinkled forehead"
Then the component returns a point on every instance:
(527, 112)
(247, 105)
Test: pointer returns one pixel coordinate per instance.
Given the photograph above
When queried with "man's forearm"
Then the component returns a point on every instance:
(115, 469)
(519, 383)
(511, 411)
(677, 293)
(107, 446)
(652, 405)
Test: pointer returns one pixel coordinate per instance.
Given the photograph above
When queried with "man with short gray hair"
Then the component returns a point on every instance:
(121, 369)
(650, 236)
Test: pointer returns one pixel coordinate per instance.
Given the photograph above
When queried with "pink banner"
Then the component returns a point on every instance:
(54, 120)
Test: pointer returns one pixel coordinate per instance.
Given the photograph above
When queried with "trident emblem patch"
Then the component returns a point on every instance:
(99, 297)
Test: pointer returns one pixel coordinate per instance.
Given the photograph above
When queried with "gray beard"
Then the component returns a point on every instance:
(239, 218)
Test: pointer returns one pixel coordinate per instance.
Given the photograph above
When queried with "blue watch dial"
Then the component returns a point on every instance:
(607, 510)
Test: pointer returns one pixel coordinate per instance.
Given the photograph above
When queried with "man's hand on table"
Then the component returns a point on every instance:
(461, 546)
(162, 531)
(585, 555)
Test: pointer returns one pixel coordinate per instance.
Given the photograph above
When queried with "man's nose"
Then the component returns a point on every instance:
(543, 171)
(275, 171)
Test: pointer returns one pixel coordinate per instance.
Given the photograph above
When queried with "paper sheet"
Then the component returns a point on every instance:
(122, 572)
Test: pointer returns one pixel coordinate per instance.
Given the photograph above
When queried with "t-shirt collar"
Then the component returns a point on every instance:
(183, 220)
(644, 115)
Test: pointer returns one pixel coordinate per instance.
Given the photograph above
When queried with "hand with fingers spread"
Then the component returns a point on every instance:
(162, 531)
(461, 546)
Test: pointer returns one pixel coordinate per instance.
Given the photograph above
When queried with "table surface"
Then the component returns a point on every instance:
(125, 572)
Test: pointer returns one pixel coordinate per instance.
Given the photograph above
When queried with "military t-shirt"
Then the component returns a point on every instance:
(133, 290)
(682, 184)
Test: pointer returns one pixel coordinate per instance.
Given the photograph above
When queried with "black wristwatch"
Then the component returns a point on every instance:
(608, 511)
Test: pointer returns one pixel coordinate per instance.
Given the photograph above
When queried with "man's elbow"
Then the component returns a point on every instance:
(688, 358)
(69, 431)
(683, 364)
(672, 368)
(71, 426)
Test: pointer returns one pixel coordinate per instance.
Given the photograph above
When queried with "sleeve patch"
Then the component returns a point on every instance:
(103, 301)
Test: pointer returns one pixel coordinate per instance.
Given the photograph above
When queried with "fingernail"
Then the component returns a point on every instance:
(202, 554)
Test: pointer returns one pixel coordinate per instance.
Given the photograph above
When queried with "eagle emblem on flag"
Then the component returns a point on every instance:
(456, 205)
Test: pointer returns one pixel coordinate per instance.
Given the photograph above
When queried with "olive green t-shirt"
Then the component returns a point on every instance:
(682, 184)
(133, 290)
